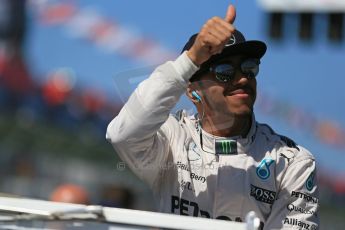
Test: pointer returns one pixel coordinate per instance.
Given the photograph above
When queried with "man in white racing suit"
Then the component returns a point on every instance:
(220, 163)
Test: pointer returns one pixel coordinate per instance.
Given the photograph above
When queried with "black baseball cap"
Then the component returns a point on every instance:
(237, 45)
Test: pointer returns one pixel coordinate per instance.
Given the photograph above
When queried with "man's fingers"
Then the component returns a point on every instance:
(219, 27)
(230, 14)
(227, 26)
(214, 45)
(221, 35)
(221, 24)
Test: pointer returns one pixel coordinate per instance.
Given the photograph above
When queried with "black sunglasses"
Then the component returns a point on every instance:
(226, 72)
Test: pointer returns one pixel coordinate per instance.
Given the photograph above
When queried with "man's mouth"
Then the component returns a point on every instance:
(241, 92)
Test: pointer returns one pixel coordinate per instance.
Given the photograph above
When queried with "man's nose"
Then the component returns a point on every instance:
(240, 78)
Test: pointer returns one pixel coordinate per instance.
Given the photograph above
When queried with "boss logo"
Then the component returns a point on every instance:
(262, 195)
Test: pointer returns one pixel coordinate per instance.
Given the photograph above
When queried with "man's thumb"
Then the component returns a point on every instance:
(230, 14)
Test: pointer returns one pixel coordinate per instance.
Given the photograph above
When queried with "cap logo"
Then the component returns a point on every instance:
(231, 41)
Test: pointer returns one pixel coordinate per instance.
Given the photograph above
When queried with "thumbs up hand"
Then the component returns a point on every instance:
(212, 37)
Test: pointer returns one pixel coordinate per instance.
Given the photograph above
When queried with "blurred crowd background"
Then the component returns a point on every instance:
(56, 101)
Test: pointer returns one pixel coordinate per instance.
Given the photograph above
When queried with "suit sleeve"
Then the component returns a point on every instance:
(297, 202)
(141, 132)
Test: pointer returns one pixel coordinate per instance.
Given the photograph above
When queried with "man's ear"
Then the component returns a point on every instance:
(189, 94)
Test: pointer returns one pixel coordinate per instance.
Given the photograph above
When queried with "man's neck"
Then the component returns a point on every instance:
(229, 127)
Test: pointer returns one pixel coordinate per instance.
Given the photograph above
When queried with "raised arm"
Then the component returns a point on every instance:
(136, 132)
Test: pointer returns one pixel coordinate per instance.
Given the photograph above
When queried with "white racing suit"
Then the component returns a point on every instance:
(223, 178)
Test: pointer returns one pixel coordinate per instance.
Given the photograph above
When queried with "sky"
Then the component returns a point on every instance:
(308, 76)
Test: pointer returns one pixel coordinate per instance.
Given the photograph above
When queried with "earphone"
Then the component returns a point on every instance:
(196, 96)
